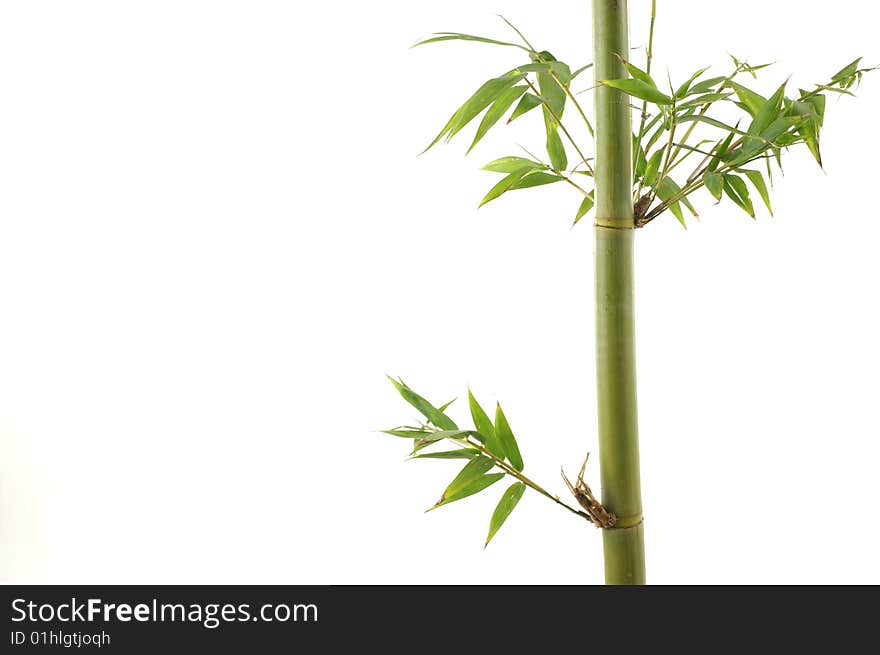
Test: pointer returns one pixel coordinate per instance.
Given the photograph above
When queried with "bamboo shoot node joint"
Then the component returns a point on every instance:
(596, 513)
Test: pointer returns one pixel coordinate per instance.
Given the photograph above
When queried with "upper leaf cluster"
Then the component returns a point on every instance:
(733, 159)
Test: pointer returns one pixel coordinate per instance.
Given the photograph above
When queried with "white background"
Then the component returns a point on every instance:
(216, 239)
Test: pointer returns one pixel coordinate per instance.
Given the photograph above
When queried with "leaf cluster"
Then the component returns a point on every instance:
(490, 448)
(733, 159)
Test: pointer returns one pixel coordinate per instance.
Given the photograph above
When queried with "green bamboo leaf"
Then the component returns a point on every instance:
(766, 114)
(461, 453)
(469, 489)
(714, 184)
(736, 190)
(652, 168)
(444, 406)
(757, 181)
(690, 207)
(513, 164)
(474, 469)
(721, 151)
(713, 122)
(586, 205)
(433, 437)
(482, 98)
(556, 149)
(752, 101)
(505, 507)
(420, 444)
(496, 111)
(528, 102)
(407, 434)
(704, 99)
(666, 191)
(504, 185)
(846, 73)
(537, 179)
(639, 161)
(484, 426)
(449, 124)
(505, 435)
(430, 412)
(809, 111)
(818, 103)
(637, 73)
(581, 70)
(748, 67)
(706, 86)
(682, 91)
(639, 89)
(455, 36)
(553, 92)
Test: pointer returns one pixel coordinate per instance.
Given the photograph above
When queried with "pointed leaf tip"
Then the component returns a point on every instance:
(505, 435)
(505, 507)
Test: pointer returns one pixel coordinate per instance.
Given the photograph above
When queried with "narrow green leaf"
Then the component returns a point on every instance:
(430, 412)
(461, 453)
(581, 70)
(684, 88)
(528, 102)
(757, 181)
(713, 122)
(586, 205)
(482, 98)
(705, 99)
(504, 185)
(812, 112)
(496, 111)
(766, 114)
(666, 191)
(550, 89)
(752, 101)
(454, 36)
(818, 103)
(639, 89)
(440, 435)
(721, 151)
(736, 190)
(474, 469)
(505, 435)
(407, 434)
(449, 124)
(537, 178)
(513, 164)
(556, 149)
(639, 74)
(484, 426)
(845, 73)
(638, 159)
(505, 507)
(714, 184)
(469, 489)
(706, 86)
(652, 169)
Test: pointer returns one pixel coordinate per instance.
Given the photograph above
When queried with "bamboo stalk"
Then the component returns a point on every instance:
(615, 327)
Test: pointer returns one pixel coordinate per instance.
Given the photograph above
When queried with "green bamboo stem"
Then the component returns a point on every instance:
(615, 327)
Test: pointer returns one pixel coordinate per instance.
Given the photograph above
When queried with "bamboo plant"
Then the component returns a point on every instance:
(682, 147)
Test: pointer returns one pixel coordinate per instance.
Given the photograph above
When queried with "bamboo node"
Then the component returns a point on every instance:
(595, 512)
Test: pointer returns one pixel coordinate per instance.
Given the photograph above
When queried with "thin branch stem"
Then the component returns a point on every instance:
(504, 466)
(644, 118)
